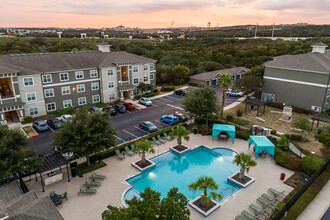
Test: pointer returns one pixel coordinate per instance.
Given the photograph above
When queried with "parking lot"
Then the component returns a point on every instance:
(127, 124)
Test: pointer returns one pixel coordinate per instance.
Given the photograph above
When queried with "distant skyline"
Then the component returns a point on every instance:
(160, 13)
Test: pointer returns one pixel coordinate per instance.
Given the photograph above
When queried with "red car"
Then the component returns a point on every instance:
(129, 106)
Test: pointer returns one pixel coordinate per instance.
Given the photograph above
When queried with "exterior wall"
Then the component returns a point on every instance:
(39, 103)
(105, 79)
(197, 81)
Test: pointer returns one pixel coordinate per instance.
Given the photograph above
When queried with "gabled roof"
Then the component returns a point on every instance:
(216, 73)
(3, 69)
(318, 62)
(319, 44)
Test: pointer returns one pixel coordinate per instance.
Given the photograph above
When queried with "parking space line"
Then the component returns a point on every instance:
(130, 133)
(175, 107)
(165, 99)
(119, 138)
(173, 98)
(154, 100)
(141, 129)
(163, 123)
(51, 129)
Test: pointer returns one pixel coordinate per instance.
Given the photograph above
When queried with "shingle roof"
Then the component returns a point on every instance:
(3, 69)
(119, 57)
(319, 44)
(319, 62)
(214, 74)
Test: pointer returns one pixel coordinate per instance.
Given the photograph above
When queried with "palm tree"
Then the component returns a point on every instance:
(206, 183)
(245, 161)
(142, 147)
(180, 132)
(224, 81)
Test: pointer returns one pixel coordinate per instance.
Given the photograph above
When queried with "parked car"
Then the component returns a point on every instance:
(54, 123)
(169, 119)
(95, 109)
(40, 125)
(145, 101)
(68, 155)
(129, 106)
(148, 126)
(120, 108)
(65, 117)
(180, 116)
(110, 110)
(180, 92)
(232, 92)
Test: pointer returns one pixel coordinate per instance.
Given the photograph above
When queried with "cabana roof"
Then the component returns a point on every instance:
(52, 161)
(262, 143)
(218, 128)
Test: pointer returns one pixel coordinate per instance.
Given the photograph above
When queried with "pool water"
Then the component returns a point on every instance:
(173, 170)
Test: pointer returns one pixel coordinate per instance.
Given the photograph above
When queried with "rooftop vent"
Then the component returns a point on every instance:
(319, 47)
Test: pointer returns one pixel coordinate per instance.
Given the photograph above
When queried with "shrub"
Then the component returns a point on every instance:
(273, 132)
(296, 137)
(68, 110)
(155, 91)
(27, 119)
(283, 143)
(241, 121)
(289, 161)
(229, 117)
(167, 88)
(302, 123)
(149, 94)
(243, 134)
(311, 164)
(100, 105)
(239, 112)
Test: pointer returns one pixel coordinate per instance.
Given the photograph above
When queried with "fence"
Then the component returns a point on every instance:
(296, 196)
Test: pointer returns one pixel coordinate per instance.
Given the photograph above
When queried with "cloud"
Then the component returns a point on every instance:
(306, 5)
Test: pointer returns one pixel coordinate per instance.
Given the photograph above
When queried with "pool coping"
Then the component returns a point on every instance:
(230, 178)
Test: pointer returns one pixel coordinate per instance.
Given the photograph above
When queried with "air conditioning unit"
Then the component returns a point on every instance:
(316, 108)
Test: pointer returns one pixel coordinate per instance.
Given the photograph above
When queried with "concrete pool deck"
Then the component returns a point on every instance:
(86, 206)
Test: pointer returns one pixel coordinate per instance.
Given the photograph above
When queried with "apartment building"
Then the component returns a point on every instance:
(299, 80)
(39, 83)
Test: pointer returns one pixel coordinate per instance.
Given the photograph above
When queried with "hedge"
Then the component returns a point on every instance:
(167, 88)
(289, 161)
(243, 134)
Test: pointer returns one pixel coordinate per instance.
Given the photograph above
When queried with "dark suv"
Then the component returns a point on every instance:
(110, 110)
(180, 92)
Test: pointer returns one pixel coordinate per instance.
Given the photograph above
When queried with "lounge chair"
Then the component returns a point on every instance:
(97, 176)
(160, 139)
(167, 137)
(92, 183)
(119, 155)
(277, 193)
(265, 202)
(239, 217)
(132, 147)
(270, 198)
(155, 141)
(64, 196)
(248, 215)
(52, 193)
(128, 151)
(84, 189)
(259, 210)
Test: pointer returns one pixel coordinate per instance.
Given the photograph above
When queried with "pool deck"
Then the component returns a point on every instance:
(86, 206)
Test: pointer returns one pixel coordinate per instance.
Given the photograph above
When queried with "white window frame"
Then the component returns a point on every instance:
(67, 76)
(112, 94)
(144, 79)
(152, 76)
(152, 66)
(145, 67)
(29, 93)
(135, 69)
(79, 74)
(114, 84)
(82, 98)
(47, 93)
(51, 104)
(46, 77)
(328, 93)
(27, 82)
(136, 82)
(98, 98)
(80, 86)
(326, 106)
(65, 88)
(35, 111)
(92, 72)
(110, 72)
(65, 101)
(93, 85)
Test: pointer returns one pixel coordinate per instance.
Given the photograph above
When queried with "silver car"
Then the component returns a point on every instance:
(40, 125)
(148, 126)
(145, 101)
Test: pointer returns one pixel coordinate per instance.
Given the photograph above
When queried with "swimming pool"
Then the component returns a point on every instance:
(173, 170)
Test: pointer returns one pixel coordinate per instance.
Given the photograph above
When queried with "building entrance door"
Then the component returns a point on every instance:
(11, 117)
(127, 94)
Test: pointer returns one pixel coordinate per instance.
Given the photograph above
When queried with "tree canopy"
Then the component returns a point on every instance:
(85, 134)
(224, 81)
(324, 137)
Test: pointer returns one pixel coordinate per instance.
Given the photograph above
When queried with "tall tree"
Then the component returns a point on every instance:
(324, 137)
(181, 73)
(85, 134)
(224, 81)
(201, 103)
(180, 132)
(245, 161)
(142, 147)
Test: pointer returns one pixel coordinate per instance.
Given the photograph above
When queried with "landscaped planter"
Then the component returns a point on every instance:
(31, 133)
(140, 166)
(179, 149)
(195, 205)
(243, 183)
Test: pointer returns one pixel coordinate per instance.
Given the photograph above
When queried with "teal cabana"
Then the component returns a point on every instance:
(262, 143)
(218, 128)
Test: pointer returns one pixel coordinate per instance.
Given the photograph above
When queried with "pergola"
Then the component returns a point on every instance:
(53, 161)
(255, 102)
(320, 117)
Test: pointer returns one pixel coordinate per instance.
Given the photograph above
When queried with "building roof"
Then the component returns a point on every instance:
(36, 63)
(4, 69)
(319, 44)
(319, 62)
(216, 73)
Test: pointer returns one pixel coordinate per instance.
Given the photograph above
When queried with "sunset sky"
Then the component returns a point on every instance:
(160, 13)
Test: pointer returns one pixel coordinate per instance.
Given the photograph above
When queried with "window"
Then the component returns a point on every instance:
(82, 101)
(64, 76)
(31, 97)
(28, 81)
(94, 73)
(145, 67)
(111, 96)
(151, 76)
(135, 69)
(79, 74)
(110, 72)
(96, 98)
(328, 93)
(326, 106)
(47, 78)
(51, 106)
(49, 93)
(145, 79)
(65, 90)
(111, 85)
(67, 103)
(136, 81)
(95, 86)
(81, 88)
(33, 111)
(152, 66)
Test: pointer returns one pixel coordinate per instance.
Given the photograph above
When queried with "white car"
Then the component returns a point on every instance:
(145, 101)
(65, 117)
(232, 92)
